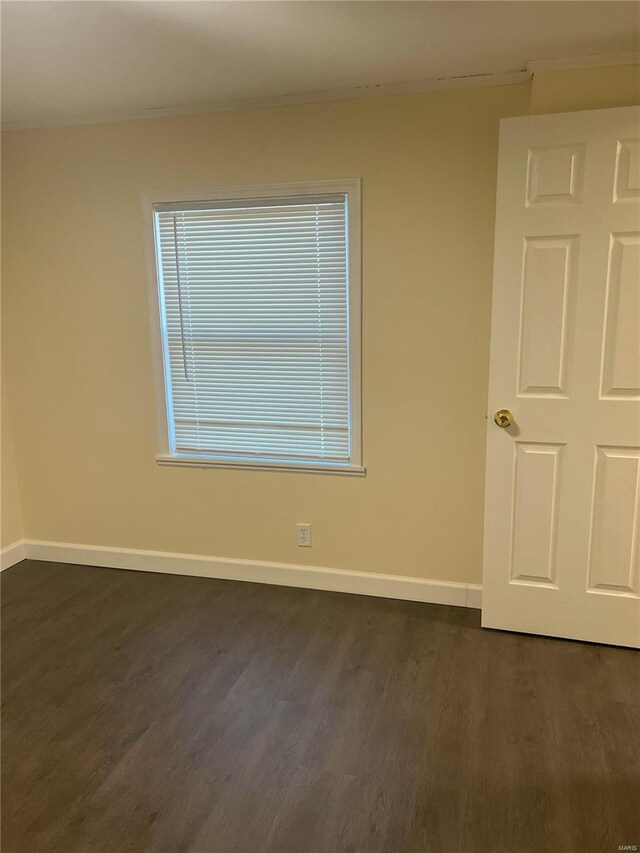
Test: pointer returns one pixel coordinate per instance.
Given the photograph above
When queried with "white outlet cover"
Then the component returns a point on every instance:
(304, 535)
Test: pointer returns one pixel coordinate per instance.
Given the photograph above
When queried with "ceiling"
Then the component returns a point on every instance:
(82, 61)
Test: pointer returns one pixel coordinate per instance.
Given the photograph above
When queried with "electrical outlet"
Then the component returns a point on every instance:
(304, 535)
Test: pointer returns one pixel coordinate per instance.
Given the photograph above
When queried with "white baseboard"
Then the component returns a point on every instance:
(474, 596)
(13, 554)
(280, 574)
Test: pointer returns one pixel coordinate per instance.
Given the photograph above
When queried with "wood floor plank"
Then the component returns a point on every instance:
(150, 713)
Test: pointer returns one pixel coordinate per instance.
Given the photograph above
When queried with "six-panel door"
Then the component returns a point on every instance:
(562, 537)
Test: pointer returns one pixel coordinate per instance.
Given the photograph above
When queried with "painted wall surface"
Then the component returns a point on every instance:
(79, 347)
(11, 528)
(585, 89)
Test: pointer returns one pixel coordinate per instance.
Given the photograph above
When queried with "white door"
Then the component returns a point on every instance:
(562, 528)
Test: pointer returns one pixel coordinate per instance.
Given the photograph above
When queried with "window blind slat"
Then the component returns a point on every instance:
(255, 319)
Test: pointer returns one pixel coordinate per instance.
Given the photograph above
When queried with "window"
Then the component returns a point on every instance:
(258, 310)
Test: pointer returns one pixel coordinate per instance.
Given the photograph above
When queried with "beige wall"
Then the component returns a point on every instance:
(79, 339)
(585, 89)
(11, 528)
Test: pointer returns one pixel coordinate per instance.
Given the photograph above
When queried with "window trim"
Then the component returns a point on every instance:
(166, 455)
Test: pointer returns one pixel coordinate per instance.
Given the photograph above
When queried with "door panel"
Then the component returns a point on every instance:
(562, 505)
(614, 554)
(627, 184)
(548, 290)
(555, 175)
(537, 477)
(621, 351)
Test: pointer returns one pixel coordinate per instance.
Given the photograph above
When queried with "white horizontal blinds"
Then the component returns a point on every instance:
(256, 327)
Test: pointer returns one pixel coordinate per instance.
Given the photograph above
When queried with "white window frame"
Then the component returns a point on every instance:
(351, 189)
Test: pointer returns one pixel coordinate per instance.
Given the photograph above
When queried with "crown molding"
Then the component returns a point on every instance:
(470, 81)
(369, 90)
(599, 59)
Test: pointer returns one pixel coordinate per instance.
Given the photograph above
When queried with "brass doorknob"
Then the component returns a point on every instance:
(503, 418)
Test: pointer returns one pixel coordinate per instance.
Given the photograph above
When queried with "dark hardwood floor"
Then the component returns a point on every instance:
(170, 714)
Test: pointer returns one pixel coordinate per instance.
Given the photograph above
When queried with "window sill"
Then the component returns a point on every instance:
(292, 467)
